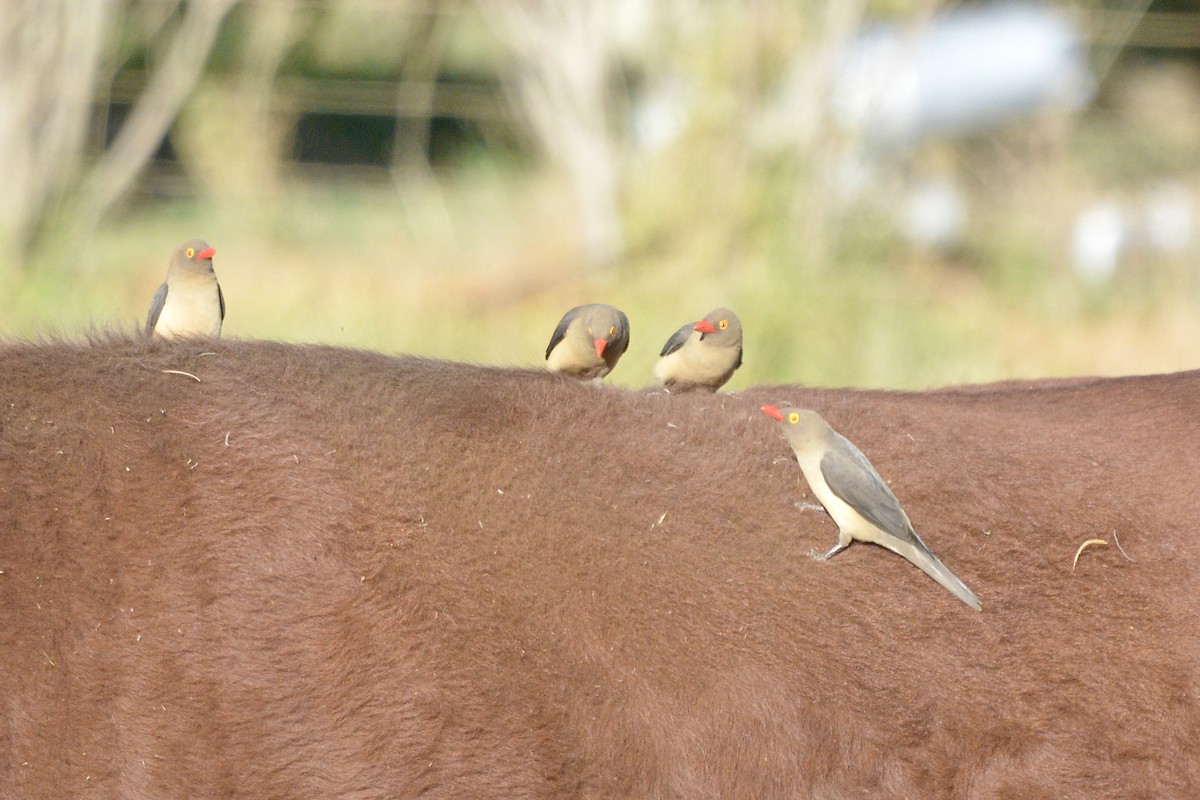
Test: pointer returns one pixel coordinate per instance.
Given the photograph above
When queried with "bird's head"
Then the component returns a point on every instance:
(195, 253)
(722, 325)
(608, 328)
(601, 339)
(799, 425)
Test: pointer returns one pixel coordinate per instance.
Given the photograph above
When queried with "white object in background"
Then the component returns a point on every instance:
(1098, 241)
(1170, 218)
(660, 114)
(934, 214)
(964, 70)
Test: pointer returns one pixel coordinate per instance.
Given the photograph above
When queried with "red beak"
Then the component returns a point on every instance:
(206, 253)
(600, 345)
(772, 411)
(704, 326)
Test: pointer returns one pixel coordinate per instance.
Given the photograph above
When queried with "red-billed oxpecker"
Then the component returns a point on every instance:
(701, 355)
(189, 302)
(588, 341)
(857, 498)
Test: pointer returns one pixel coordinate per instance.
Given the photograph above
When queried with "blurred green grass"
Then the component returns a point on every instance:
(478, 267)
(477, 261)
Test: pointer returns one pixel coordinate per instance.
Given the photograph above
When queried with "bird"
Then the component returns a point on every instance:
(588, 341)
(857, 498)
(702, 355)
(189, 302)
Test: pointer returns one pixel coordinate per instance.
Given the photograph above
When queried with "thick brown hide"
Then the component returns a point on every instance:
(310, 572)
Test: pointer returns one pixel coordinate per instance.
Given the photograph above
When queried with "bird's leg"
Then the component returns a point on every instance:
(825, 557)
(843, 543)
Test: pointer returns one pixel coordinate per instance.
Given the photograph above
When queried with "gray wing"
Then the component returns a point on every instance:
(739, 361)
(156, 307)
(677, 340)
(221, 300)
(854, 480)
(561, 330)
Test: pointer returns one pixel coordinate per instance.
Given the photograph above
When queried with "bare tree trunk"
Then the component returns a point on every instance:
(50, 53)
(272, 30)
(114, 172)
(827, 149)
(232, 132)
(52, 57)
(424, 47)
(561, 56)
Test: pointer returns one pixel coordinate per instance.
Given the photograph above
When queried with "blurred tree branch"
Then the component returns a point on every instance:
(50, 53)
(232, 133)
(53, 56)
(561, 58)
(174, 79)
(422, 50)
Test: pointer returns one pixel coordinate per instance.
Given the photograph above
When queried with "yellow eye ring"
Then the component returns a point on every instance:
(191, 251)
(612, 330)
(793, 417)
(723, 324)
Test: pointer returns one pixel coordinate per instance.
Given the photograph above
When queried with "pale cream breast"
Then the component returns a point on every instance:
(575, 355)
(192, 307)
(696, 363)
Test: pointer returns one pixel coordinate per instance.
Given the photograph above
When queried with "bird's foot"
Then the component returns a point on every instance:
(825, 556)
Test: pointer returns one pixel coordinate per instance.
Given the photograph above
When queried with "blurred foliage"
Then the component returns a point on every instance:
(476, 259)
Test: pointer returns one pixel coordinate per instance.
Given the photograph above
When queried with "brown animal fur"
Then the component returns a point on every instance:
(327, 573)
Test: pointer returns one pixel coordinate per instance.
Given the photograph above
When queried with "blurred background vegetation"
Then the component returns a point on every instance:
(890, 193)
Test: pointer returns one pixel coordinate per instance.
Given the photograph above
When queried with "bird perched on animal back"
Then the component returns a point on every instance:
(588, 341)
(189, 302)
(857, 498)
(702, 355)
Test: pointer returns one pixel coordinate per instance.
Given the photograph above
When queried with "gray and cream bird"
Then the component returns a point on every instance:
(588, 341)
(702, 355)
(857, 498)
(189, 302)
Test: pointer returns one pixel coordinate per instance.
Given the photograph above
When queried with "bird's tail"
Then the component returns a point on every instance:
(935, 569)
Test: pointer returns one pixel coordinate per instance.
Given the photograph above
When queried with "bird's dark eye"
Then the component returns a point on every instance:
(793, 417)
(191, 251)
(723, 324)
